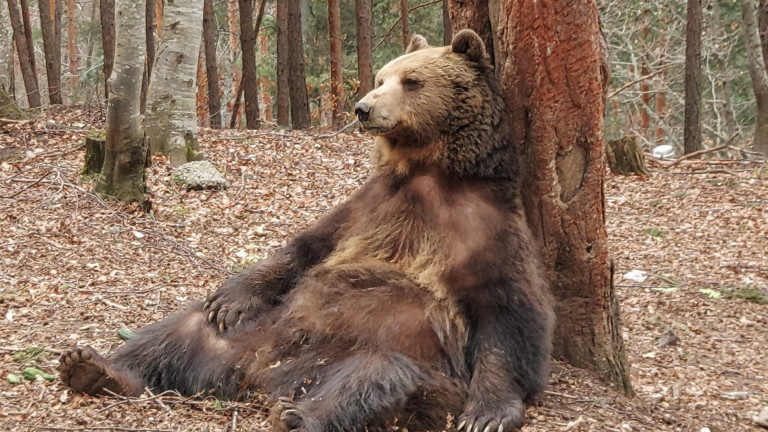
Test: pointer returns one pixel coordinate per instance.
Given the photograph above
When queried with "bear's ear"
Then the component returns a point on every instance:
(417, 42)
(468, 42)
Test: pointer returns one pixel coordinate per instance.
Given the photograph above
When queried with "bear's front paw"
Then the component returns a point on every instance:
(227, 309)
(498, 416)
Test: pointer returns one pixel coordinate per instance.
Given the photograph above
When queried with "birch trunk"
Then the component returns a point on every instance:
(171, 118)
(122, 175)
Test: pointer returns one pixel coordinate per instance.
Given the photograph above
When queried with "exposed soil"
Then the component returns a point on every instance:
(73, 269)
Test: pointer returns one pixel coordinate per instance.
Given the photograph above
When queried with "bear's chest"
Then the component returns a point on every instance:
(428, 228)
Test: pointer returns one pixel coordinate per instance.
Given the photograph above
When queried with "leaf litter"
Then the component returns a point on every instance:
(74, 269)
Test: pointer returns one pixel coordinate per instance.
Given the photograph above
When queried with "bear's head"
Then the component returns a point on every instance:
(439, 108)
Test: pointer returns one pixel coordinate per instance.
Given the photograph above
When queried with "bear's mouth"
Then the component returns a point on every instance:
(379, 129)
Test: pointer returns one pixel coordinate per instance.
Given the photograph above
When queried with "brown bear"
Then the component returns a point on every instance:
(418, 300)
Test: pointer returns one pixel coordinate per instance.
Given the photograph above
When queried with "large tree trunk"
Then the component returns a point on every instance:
(364, 47)
(74, 57)
(171, 118)
(26, 62)
(692, 127)
(554, 78)
(51, 49)
(283, 69)
(474, 14)
(758, 73)
(763, 24)
(337, 73)
(248, 46)
(107, 11)
(122, 175)
(297, 77)
(211, 64)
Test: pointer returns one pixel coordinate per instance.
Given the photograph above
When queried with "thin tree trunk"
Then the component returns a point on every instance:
(27, 64)
(265, 85)
(297, 79)
(211, 64)
(51, 49)
(404, 23)
(248, 46)
(28, 33)
(364, 47)
(692, 127)
(201, 95)
(555, 79)
(283, 70)
(171, 119)
(234, 52)
(107, 11)
(337, 73)
(74, 57)
(122, 175)
(447, 32)
(758, 74)
(661, 106)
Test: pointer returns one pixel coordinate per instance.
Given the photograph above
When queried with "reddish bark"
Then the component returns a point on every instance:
(337, 77)
(283, 91)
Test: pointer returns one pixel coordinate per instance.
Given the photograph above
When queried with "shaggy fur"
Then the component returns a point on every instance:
(418, 298)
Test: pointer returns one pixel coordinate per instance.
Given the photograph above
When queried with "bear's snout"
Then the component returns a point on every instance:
(362, 111)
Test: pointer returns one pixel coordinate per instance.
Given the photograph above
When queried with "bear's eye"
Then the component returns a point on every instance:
(411, 83)
(379, 82)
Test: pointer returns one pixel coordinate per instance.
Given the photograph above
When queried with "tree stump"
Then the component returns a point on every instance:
(95, 147)
(625, 157)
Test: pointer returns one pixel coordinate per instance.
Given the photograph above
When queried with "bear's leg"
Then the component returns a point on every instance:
(182, 352)
(85, 371)
(367, 389)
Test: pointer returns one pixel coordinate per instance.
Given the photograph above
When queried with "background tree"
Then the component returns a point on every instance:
(150, 16)
(107, 13)
(50, 24)
(248, 49)
(554, 80)
(283, 70)
(692, 135)
(6, 49)
(337, 77)
(211, 64)
(406, 29)
(122, 175)
(26, 61)
(297, 79)
(171, 118)
(72, 52)
(763, 25)
(363, 32)
(758, 73)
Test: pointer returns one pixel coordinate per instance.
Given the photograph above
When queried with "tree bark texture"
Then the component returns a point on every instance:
(74, 57)
(692, 126)
(122, 175)
(234, 52)
(297, 77)
(763, 24)
(107, 11)
(757, 73)
(447, 32)
(404, 23)
(28, 33)
(364, 47)
(27, 64)
(171, 118)
(337, 72)
(150, 28)
(248, 46)
(554, 77)
(6, 49)
(51, 49)
(211, 64)
(283, 70)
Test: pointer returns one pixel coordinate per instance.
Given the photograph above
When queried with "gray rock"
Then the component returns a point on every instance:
(762, 418)
(199, 175)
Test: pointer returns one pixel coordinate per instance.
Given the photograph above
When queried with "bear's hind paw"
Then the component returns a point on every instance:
(85, 371)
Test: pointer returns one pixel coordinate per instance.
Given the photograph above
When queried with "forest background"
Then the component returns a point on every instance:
(646, 44)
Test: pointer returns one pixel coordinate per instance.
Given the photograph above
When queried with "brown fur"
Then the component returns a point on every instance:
(418, 298)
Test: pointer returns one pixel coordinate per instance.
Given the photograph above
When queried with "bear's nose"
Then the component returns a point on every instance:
(362, 110)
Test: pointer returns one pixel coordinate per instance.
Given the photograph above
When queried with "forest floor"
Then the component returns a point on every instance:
(689, 244)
